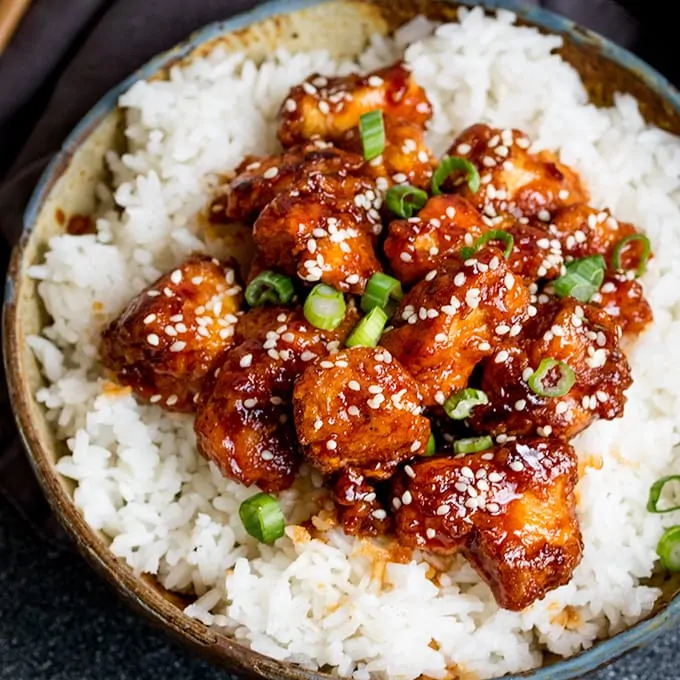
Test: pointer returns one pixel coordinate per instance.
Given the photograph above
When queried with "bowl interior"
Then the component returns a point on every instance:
(343, 27)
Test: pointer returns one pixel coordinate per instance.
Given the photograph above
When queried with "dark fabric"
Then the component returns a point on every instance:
(66, 55)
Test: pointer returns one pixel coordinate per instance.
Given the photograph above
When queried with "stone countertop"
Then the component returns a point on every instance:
(59, 621)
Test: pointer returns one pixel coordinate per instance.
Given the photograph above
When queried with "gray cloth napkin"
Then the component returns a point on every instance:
(66, 55)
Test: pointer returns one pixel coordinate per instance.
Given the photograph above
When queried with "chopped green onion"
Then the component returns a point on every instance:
(379, 290)
(451, 164)
(461, 404)
(565, 381)
(269, 288)
(472, 445)
(324, 307)
(368, 331)
(491, 235)
(404, 200)
(262, 518)
(644, 257)
(431, 445)
(655, 494)
(372, 131)
(668, 549)
(583, 278)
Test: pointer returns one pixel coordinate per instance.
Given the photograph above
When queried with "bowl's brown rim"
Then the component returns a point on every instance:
(139, 594)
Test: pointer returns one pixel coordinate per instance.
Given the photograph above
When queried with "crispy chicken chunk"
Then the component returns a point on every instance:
(584, 231)
(514, 180)
(167, 338)
(510, 510)
(359, 509)
(327, 107)
(584, 337)
(259, 180)
(244, 420)
(447, 323)
(405, 159)
(359, 409)
(418, 245)
(322, 229)
(623, 299)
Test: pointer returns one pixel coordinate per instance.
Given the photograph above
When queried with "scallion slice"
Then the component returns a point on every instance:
(269, 288)
(668, 548)
(655, 494)
(324, 307)
(431, 445)
(403, 200)
(372, 131)
(552, 378)
(461, 404)
(582, 279)
(472, 444)
(262, 518)
(368, 331)
(491, 235)
(451, 164)
(644, 257)
(379, 290)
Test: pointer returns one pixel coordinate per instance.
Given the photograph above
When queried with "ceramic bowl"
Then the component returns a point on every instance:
(67, 187)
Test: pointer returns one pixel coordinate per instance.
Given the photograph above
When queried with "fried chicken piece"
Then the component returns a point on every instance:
(514, 180)
(420, 244)
(327, 107)
(584, 231)
(624, 299)
(584, 337)
(511, 510)
(360, 512)
(447, 323)
(404, 160)
(167, 338)
(259, 180)
(244, 417)
(360, 409)
(534, 255)
(322, 229)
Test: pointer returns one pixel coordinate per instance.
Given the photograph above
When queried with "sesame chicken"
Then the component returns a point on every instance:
(168, 337)
(322, 228)
(259, 180)
(417, 245)
(360, 409)
(327, 107)
(244, 417)
(584, 231)
(360, 511)
(624, 300)
(447, 323)
(404, 160)
(582, 336)
(509, 509)
(514, 181)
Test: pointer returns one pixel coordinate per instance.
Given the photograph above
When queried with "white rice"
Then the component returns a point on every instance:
(167, 512)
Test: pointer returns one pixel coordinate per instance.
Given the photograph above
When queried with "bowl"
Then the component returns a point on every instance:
(67, 187)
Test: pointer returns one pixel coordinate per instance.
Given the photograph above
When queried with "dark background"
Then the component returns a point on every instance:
(57, 620)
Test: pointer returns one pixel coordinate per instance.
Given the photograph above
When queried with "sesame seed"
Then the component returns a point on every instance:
(290, 105)
(354, 385)
(318, 424)
(172, 400)
(267, 455)
(327, 364)
(352, 279)
(484, 347)
(270, 173)
(467, 472)
(494, 477)
(415, 446)
(331, 445)
(543, 215)
(170, 330)
(250, 403)
(405, 257)
(488, 162)
(406, 497)
(375, 389)
(354, 411)
(176, 276)
(461, 486)
(463, 148)
(501, 356)
(178, 346)
(459, 279)
(149, 319)
(443, 509)
(324, 107)
(509, 281)
(307, 356)
(379, 514)
(493, 507)
(441, 337)
(520, 405)
(430, 533)
(154, 399)
(516, 466)
(430, 275)
(502, 329)
(153, 339)
(439, 397)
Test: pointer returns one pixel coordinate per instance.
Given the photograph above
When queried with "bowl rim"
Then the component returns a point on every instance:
(96, 552)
